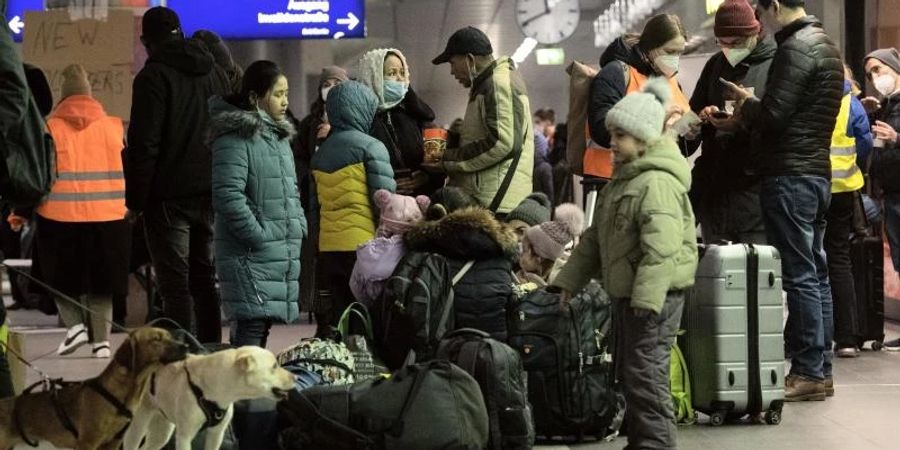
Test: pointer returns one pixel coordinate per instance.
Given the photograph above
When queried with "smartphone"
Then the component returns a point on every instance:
(721, 115)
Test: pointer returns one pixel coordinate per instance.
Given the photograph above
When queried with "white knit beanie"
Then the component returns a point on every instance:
(642, 114)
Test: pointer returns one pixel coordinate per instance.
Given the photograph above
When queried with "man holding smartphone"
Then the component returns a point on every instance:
(725, 188)
(795, 118)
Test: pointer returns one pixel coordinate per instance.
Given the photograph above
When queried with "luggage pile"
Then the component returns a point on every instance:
(449, 387)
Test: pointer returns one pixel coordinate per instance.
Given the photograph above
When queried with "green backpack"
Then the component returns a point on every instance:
(680, 384)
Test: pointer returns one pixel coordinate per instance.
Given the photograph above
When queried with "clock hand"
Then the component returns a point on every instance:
(532, 19)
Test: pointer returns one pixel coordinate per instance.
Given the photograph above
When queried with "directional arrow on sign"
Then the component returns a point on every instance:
(16, 25)
(351, 21)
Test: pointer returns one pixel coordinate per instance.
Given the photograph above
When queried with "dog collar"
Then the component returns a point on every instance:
(213, 412)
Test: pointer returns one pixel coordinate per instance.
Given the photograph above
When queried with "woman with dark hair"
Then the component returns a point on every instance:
(626, 65)
(259, 220)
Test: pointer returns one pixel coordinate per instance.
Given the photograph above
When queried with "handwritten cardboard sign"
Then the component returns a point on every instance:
(105, 49)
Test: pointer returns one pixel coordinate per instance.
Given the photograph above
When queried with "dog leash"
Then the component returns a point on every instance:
(58, 294)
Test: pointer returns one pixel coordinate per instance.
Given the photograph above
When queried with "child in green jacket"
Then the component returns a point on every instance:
(643, 248)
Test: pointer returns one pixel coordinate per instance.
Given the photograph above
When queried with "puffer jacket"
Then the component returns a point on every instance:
(796, 116)
(643, 242)
(166, 158)
(348, 168)
(609, 86)
(481, 296)
(497, 124)
(886, 162)
(259, 221)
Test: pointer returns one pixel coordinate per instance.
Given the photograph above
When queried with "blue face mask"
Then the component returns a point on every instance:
(394, 92)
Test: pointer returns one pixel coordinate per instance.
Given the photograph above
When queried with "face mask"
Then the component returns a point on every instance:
(325, 91)
(394, 92)
(885, 84)
(667, 64)
(736, 55)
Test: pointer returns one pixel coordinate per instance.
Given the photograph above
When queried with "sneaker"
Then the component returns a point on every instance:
(847, 352)
(892, 345)
(829, 386)
(101, 350)
(799, 388)
(75, 337)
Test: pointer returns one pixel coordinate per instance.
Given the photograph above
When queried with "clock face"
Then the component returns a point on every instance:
(548, 21)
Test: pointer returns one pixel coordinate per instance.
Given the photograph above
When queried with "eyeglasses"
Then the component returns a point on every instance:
(736, 43)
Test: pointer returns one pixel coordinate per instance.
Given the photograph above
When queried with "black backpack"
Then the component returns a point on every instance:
(498, 370)
(567, 354)
(416, 308)
(424, 406)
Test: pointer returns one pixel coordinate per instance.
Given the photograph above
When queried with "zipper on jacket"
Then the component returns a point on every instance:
(245, 261)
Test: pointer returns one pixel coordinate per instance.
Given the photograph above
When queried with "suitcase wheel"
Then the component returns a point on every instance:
(877, 346)
(717, 418)
(773, 417)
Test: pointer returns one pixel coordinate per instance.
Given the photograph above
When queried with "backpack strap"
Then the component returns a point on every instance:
(684, 410)
(462, 272)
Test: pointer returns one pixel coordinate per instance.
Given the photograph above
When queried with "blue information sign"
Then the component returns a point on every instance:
(15, 15)
(274, 19)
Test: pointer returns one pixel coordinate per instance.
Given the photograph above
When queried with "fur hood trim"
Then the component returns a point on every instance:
(471, 233)
(226, 118)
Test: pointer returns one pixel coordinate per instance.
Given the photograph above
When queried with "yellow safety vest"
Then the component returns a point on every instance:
(845, 174)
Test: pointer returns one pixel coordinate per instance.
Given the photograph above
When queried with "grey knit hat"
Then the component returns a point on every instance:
(642, 114)
(549, 239)
(889, 56)
(534, 210)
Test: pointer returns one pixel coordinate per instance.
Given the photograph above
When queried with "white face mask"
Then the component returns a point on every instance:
(667, 64)
(736, 55)
(885, 84)
(325, 92)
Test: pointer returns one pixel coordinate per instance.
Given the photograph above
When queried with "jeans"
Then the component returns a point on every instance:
(643, 348)
(840, 269)
(180, 239)
(732, 216)
(794, 209)
(250, 332)
(892, 225)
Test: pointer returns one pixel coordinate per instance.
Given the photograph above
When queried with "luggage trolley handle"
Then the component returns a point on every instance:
(754, 388)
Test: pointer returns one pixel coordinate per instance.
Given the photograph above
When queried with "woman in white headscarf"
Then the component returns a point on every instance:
(400, 119)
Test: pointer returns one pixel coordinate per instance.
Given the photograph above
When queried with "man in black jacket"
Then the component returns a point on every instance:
(883, 70)
(796, 119)
(168, 169)
(725, 187)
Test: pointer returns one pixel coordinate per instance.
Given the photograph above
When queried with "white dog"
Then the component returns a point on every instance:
(199, 392)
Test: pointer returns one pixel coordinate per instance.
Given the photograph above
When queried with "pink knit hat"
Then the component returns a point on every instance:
(399, 212)
(549, 239)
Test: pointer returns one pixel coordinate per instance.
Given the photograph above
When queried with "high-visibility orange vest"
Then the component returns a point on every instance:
(598, 161)
(90, 186)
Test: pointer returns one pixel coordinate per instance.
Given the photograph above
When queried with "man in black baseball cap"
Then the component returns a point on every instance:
(466, 48)
(494, 160)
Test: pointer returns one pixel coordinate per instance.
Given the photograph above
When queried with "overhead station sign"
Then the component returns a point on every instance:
(274, 19)
(15, 15)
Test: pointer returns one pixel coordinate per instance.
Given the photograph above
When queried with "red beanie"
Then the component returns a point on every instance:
(736, 18)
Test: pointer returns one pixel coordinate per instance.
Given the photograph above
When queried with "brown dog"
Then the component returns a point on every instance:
(95, 413)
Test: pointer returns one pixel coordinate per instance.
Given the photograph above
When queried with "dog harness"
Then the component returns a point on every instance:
(211, 410)
(121, 409)
(54, 385)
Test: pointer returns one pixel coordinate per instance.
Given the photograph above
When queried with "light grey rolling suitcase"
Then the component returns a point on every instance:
(734, 343)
